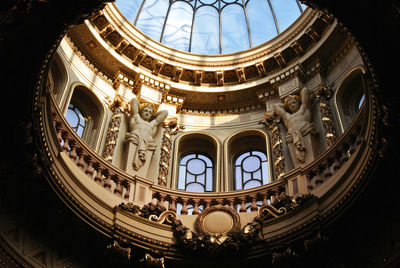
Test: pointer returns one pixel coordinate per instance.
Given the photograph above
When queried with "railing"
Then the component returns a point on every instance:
(242, 200)
(333, 159)
(119, 182)
(92, 164)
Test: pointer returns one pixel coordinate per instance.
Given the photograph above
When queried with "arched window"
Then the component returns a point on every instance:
(247, 162)
(251, 170)
(350, 97)
(57, 78)
(195, 173)
(85, 114)
(75, 119)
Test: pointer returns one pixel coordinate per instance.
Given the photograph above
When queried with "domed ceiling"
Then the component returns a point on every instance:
(211, 26)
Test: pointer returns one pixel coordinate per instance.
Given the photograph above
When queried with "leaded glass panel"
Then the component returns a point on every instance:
(195, 173)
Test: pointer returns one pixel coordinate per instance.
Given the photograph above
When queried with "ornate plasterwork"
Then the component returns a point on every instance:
(189, 68)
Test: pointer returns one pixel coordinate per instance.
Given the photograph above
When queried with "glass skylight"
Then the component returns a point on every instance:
(211, 26)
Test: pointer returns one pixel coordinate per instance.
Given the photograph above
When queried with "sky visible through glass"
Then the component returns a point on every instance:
(211, 26)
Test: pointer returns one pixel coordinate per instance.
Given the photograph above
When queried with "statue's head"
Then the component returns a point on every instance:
(293, 103)
(146, 111)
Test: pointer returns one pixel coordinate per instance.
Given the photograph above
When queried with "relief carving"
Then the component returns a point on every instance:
(144, 126)
(295, 113)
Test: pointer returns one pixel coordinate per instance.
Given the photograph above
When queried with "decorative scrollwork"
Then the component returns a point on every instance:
(268, 209)
(164, 217)
(150, 211)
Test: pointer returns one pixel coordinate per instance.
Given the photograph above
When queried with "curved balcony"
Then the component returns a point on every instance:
(95, 189)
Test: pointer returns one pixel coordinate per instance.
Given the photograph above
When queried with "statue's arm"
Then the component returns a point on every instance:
(161, 116)
(134, 106)
(305, 97)
(279, 109)
(133, 113)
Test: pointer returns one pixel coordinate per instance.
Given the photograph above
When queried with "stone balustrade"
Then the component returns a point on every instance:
(242, 201)
(92, 164)
(119, 183)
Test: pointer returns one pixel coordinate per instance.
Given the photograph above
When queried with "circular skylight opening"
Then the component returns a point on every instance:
(211, 26)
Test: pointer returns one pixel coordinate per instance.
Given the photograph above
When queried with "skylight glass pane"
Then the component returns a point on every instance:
(178, 26)
(234, 30)
(129, 8)
(151, 18)
(170, 22)
(205, 39)
(262, 25)
(286, 12)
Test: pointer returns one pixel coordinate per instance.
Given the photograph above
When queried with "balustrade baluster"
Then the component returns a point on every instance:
(72, 153)
(81, 161)
(59, 132)
(99, 176)
(196, 207)
(208, 203)
(231, 202)
(184, 210)
(65, 146)
(161, 200)
(242, 204)
(172, 204)
(326, 173)
(310, 176)
(254, 206)
(107, 180)
(118, 189)
(89, 169)
(318, 178)
(265, 198)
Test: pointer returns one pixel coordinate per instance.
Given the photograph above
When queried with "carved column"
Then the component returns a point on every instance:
(271, 124)
(166, 148)
(323, 94)
(113, 130)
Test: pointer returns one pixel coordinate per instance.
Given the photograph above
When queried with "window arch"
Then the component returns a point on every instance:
(196, 167)
(85, 114)
(195, 173)
(247, 160)
(57, 78)
(251, 170)
(349, 97)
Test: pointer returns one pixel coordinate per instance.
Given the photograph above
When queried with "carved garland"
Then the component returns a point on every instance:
(270, 122)
(323, 94)
(166, 147)
(237, 241)
(112, 133)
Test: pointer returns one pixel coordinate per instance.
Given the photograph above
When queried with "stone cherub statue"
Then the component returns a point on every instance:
(144, 123)
(298, 121)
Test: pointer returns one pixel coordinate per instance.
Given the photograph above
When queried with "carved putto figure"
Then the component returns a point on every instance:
(298, 121)
(143, 126)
